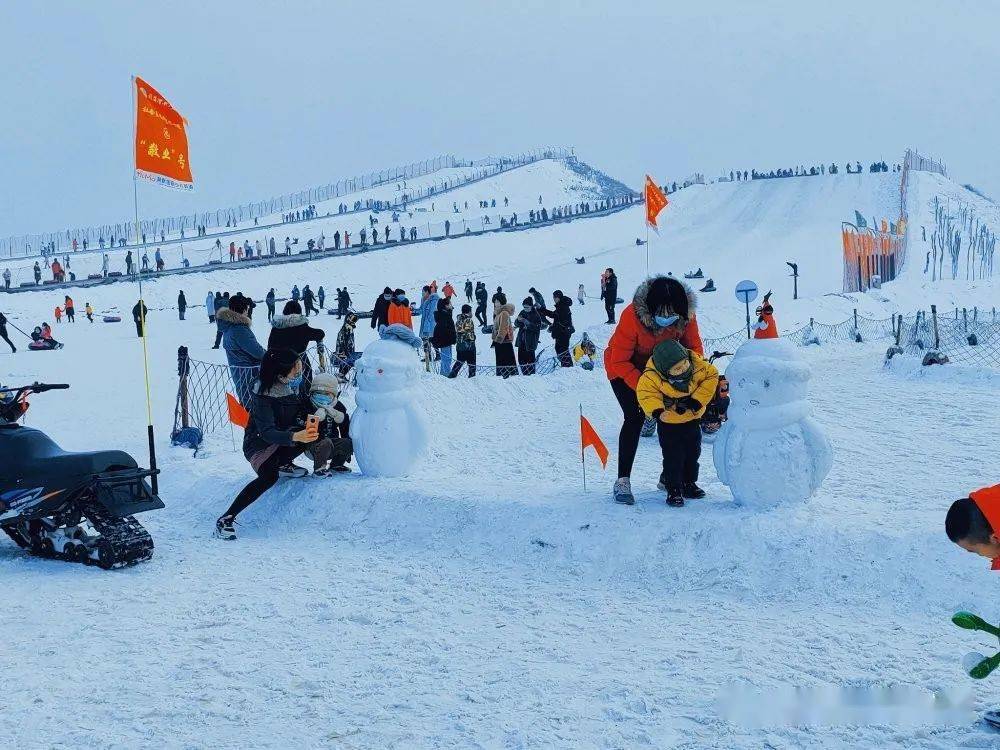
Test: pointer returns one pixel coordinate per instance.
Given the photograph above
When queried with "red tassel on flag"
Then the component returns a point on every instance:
(237, 414)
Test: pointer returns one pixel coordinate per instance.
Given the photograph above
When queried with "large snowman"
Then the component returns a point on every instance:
(771, 451)
(388, 431)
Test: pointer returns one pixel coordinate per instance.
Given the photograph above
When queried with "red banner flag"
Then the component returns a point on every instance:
(589, 436)
(656, 201)
(237, 414)
(161, 145)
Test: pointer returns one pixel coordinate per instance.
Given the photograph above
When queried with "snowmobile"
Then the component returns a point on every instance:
(709, 286)
(694, 274)
(76, 507)
(717, 410)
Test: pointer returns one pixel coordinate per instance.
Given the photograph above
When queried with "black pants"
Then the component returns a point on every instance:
(138, 328)
(3, 335)
(469, 358)
(609, 308)
(681, 446)
(180, 312)
(506, 364)
(218, 338)
(481, 314)
(270, 311)
(562, 350)
(310, 309)
(632, 419)
(266, 478)
(526, 358)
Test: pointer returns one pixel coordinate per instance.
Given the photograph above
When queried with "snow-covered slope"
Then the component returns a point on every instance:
(487, 600)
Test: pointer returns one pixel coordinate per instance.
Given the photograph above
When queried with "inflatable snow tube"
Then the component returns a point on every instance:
(112, 319)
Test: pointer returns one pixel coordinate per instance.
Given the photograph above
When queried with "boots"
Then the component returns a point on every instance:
(622, 491)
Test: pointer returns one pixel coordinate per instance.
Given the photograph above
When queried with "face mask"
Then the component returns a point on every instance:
(387, 297)
(665, 322)
(294, 383)
(527, 309)
(322, 399)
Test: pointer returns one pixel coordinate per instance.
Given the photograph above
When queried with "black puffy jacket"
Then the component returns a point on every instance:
(444, 327)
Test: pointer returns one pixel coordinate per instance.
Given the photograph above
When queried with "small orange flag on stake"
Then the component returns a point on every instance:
(237, 414)
(656, 201)
(589, 436)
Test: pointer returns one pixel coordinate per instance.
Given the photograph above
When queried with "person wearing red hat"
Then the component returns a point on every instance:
(973, 523)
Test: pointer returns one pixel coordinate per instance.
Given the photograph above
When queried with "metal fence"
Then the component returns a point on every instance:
(62, 241)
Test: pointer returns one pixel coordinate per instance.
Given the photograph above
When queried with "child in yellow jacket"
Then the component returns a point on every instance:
(675, 389)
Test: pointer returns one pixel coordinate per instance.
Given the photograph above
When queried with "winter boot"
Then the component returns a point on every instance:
(693, 491)
(648, 427)
(292, 471)
(675, 499)
(709, 286)
(661, 484)
(224, 528)
(622, 491)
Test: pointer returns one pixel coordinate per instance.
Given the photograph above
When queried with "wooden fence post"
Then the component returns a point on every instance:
(937, 339)
(183, 368)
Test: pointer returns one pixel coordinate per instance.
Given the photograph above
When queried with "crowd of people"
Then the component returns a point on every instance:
(812, 171)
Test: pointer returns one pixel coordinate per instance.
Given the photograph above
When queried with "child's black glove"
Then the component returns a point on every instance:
(691, 403)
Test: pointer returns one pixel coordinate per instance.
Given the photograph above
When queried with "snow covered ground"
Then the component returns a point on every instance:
(487, 600)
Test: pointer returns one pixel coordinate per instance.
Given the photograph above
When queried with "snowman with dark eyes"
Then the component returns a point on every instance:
(771, 451)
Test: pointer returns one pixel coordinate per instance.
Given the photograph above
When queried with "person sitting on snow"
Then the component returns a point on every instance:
(334, 447)
(766, 328)
(973, 523)
(675, 389)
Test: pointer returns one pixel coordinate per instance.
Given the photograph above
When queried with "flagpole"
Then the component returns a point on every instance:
(583, 454)
(142, 307)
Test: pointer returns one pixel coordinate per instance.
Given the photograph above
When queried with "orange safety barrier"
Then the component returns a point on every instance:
(869, 253)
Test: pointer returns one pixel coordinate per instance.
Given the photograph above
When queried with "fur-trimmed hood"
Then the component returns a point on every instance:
(233, 318)
(292, 320)
(642, 311)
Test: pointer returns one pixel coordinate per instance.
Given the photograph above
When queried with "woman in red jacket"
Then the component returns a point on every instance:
(662, 308)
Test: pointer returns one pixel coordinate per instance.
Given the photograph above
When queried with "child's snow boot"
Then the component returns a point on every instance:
(675, 499)
(693, 491)
(622, 491)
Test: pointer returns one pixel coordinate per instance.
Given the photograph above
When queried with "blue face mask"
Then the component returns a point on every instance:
(295, 383)
(322, 399)
(663, 322)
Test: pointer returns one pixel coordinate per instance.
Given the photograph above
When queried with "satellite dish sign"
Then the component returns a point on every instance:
(746, 292)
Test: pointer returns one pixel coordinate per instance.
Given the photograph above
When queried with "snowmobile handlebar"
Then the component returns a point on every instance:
(35, 388)
(716, 355)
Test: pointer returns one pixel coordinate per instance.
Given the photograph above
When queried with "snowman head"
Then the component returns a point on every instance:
(765, 373)
(387, 365)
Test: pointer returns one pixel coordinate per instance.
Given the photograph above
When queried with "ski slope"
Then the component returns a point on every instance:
(487, 600)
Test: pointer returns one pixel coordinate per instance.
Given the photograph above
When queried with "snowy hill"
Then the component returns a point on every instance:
(487, 600)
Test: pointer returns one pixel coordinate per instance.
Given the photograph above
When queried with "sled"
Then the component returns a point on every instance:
(112, 319)
(992, 719)
(694, 274)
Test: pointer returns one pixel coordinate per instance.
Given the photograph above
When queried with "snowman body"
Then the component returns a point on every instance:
(771, 451)
(388, 431)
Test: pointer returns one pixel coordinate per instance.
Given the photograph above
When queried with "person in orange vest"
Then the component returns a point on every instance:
(58, 314)
(448, 290)
(70, 310)
(973, 523)
(399, 310)
(57, 271)
(766, 328)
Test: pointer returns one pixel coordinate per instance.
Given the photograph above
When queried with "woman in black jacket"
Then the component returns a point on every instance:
(274, 435)
(529, 324)
(443, 338)
(291, 330)
(380, 313)
(562, 326)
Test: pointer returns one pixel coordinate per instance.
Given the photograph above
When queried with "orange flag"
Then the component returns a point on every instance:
(589, 436)
(161, 145)
(237, 414)
(656, 201)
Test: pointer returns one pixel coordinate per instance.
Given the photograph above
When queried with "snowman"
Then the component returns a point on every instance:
(771, 451)
(388, 431)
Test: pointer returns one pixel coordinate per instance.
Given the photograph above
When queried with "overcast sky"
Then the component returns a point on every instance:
(282, 96)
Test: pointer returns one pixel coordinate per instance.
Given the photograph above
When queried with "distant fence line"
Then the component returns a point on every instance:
(33, 243)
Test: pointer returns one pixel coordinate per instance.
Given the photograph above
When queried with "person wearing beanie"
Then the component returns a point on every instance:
(529, 324)
(481, 297)
(561, 327)
(661, 309)
(380, 312)
(675, 388)
(333, 448)
(766, 327)
(399, 310)
(465, 343)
